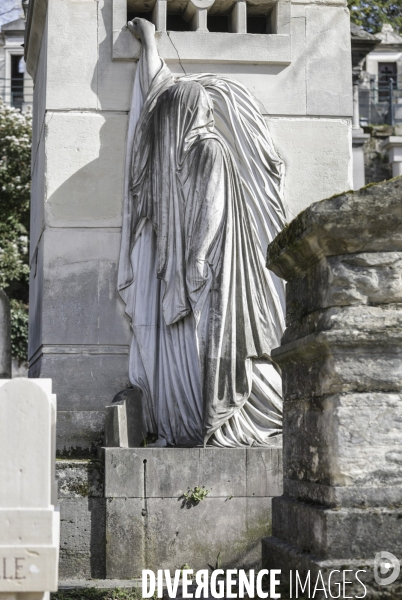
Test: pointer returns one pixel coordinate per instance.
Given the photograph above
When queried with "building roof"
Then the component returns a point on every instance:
(388, 36)
(14, 27)
(358, 33)
(363, 42)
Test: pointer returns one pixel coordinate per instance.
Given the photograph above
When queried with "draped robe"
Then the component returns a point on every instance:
(204, 311)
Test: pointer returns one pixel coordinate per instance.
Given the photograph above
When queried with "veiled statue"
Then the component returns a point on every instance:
(203, 198)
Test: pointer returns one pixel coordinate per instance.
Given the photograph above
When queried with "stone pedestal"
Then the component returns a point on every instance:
(341, 358)
(151, 525)
(393, 145)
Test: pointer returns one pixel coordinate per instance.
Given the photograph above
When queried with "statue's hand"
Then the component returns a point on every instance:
(141, 29)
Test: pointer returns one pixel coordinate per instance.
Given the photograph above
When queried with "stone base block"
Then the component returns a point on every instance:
(123, 422)
(336, 578)
(337, 534)
(151, 525)
(82, 519)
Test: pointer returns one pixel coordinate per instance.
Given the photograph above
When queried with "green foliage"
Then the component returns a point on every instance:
(194, 497)
(15, 178)
(19, 330)
(372, 14)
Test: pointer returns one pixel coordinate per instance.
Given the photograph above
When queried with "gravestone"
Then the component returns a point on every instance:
(29, 521)
(341, 361)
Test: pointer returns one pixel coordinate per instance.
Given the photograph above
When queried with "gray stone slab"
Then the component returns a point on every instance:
(163, 534)
(80, 478)
(124, 420)
(361, 279)
(337, 533)
(78, 433)
(82, 537)
(79, 81)
(124, 473)
(346, 440)
(116, 427)
(78, 194)
(114, 77)
(264, 472)
(79, 288)
(336, 496)
(85, 381)
(126, 536)
(329, 71)
(169, 472)
(223, 471)
(331, 363)
(233, 528)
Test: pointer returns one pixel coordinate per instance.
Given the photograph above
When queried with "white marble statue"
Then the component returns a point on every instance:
(203, 198)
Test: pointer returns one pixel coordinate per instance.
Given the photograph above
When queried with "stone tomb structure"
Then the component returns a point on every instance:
(29, 519)
(83, 59)
(341, 367)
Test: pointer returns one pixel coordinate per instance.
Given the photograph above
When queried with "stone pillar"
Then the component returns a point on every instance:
(358, 139)
(341, 359)
(393, 145)
(5, 337)
(238, 17)
(196, 14)
(359, 175)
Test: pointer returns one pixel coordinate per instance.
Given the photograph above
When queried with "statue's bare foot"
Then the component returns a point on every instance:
(141, 28)
(160, 443)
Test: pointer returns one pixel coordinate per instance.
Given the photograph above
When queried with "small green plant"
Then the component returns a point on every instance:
(185, 567)
(194, 497)
(217, 563)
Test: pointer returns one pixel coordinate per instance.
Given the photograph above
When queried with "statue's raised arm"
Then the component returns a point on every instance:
(203, 199)
(144, 31)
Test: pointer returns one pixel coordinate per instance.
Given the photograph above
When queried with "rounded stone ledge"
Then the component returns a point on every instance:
(369, 220)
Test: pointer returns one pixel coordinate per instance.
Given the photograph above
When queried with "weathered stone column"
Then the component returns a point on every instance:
(341, 358)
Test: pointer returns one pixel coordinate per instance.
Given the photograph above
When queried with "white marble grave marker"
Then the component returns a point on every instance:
(29, 521)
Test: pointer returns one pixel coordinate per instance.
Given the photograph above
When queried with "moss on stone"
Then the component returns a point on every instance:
(80, 477)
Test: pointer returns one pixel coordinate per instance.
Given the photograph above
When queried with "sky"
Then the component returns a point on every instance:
(10, 10)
